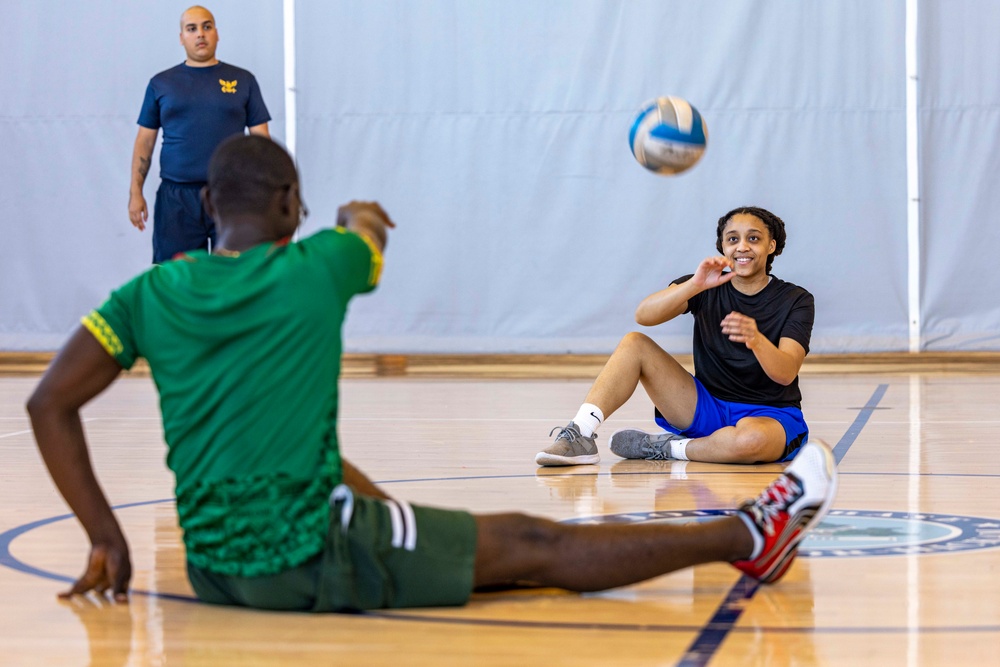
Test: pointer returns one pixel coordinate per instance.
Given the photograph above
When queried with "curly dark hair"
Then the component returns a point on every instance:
(775, 226)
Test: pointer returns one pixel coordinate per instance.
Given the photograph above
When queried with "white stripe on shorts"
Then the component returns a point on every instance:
(410, 543)
(396, 516)
(404, 524)
(343, 492)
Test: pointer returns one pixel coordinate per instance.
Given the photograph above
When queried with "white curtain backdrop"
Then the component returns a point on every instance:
(495, 133)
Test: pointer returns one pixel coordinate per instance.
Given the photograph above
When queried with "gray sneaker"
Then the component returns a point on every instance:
(570, 448)
(631, 443)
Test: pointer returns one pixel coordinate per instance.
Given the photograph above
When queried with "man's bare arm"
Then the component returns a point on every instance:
(81, 371)
(261, 130)
(142, 156)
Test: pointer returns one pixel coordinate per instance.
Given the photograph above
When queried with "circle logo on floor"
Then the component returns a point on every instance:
(849, 533)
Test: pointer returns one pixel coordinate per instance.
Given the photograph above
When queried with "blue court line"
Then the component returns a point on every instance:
(858, 473)
(7, 560)
(840, 451)
(708, 641)
(720, 622)
(719, 626)
(690, 473)
(668, 628)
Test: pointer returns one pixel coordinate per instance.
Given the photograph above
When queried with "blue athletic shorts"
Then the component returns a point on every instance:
(711, 414)
(180, 223)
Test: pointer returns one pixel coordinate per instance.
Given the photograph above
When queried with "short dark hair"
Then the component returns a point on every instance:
(245, 171)
(775, 226)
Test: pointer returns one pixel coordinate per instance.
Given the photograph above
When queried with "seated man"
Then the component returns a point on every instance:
(751, 334)
(244, 346)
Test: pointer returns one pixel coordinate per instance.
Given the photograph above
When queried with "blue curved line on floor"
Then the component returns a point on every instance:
(8, 560)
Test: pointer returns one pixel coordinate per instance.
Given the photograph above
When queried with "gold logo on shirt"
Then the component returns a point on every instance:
(228, 86)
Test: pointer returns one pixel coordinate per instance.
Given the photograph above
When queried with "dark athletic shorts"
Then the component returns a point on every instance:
(379, 554)
(180, 223)
(711, 414)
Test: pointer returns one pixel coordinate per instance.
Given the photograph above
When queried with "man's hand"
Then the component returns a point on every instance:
(709, 273)
(368, 218)
(108, 568)
(137, 211)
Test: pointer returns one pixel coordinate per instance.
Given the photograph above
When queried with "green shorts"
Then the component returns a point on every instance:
(379, 554)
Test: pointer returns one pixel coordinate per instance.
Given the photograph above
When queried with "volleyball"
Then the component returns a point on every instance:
(668, 135)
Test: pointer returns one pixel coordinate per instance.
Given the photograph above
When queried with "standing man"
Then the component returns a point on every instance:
(198, 104)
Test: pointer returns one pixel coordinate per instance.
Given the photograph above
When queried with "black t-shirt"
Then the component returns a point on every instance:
(729, 370)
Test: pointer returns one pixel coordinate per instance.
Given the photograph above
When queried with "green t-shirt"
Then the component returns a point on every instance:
(245, 353)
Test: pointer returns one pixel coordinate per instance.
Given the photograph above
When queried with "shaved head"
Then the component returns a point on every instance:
(199, 36)
(196, 14)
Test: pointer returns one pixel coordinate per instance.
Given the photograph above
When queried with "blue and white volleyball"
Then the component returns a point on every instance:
(668, 135)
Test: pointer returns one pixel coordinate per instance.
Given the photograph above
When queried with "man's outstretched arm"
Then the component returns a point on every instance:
(81, 371)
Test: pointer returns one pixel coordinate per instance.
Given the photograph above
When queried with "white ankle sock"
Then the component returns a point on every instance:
(588, 419)
(678, 449)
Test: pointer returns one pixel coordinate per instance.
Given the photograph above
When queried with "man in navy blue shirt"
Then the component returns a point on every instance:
(198, 103)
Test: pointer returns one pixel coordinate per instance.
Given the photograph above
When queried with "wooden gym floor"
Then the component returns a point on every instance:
(904, 571)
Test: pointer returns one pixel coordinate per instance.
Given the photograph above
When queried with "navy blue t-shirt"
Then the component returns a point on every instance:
(199, 107)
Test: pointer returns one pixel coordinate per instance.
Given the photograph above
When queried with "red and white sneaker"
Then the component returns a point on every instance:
(786, 510)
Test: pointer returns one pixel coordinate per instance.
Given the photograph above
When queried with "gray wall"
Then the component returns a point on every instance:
(495, 133)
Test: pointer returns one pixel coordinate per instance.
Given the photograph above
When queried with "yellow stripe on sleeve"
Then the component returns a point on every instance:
(103, 332)
(376, 271)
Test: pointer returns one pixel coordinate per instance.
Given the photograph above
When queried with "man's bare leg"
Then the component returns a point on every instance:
(515, 548)
(761, 540)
